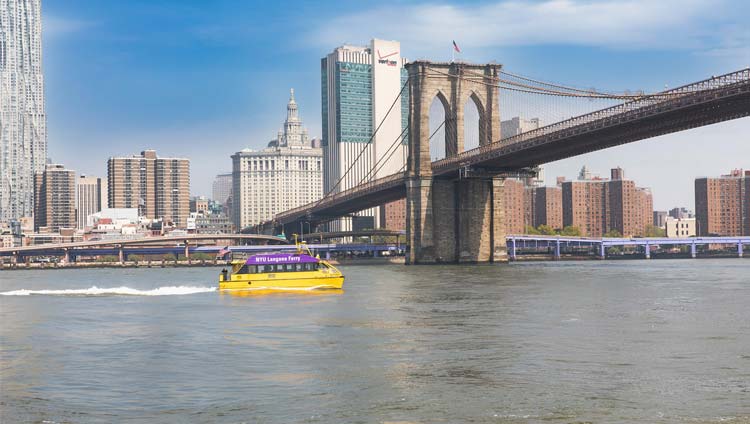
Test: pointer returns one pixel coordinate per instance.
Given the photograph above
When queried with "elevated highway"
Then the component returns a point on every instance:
(183, 241)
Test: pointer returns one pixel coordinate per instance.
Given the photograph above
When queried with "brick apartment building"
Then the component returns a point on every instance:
(722, 205)
(158, 187)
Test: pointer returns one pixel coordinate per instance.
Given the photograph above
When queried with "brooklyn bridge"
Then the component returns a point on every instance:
(454, 207)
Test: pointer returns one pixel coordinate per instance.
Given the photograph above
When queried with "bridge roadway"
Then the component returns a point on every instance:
(343, 234)
(694, 105)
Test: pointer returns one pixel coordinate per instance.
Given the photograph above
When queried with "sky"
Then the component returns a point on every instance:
(203, 80)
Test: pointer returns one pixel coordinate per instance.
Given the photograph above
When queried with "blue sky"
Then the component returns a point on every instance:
(204, 79)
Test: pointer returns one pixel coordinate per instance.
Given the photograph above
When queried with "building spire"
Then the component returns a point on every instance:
(291, 108)
(293, 133)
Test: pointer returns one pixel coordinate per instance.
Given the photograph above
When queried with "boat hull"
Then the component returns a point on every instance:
(300, 280)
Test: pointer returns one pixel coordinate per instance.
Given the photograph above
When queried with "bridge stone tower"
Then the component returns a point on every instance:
(452, 219)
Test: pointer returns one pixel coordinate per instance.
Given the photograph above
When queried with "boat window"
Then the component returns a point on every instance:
(300, 267)
(289, 267)
(265, 268)
(248, 269)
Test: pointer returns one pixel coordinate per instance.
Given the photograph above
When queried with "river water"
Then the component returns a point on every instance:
(661, 341)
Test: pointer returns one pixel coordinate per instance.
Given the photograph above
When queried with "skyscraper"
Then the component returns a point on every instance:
(54, 198)
(221, 189)
(91, 197)
(23, 122)
(286, 174)
(158, 187)
(359, 86)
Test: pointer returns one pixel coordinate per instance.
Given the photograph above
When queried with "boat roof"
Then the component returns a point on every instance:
(281, 258)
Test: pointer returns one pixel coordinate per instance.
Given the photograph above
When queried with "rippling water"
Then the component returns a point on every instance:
(629, 341)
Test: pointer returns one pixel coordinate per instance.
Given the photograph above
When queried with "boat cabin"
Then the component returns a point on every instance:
(278, 262)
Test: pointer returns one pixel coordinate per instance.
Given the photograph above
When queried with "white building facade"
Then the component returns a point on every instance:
(286, 174)
(23, 121)
(680, 227)
(358, 86)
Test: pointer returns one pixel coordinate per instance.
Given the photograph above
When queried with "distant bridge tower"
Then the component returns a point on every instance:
(453, 220)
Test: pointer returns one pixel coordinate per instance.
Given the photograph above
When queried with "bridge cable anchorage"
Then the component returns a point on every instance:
(338, 182)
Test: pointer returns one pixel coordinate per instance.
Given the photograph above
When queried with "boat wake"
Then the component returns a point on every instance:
(114, 291)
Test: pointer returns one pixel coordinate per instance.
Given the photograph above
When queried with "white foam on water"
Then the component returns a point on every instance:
(96, 291)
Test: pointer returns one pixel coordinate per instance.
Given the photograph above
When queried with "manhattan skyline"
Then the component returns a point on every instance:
(189, 80)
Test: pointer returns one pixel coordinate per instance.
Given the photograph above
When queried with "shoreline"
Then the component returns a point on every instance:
(398, 260)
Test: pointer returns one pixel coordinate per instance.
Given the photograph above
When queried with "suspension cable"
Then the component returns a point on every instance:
(525, 88)
(378, 165)
(361, 152)
(562, 87)
(383, 158)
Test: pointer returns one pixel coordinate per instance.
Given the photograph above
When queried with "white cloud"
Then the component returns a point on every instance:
(620, 24)
(55, 26)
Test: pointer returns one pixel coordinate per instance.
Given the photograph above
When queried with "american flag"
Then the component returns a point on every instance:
(455, 46)
(223, 252)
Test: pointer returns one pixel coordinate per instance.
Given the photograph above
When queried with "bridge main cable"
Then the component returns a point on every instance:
(525, 88)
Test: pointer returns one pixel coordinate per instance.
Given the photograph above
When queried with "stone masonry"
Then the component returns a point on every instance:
(452, 220)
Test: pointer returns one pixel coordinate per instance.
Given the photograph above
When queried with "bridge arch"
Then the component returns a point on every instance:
(474, 121)
(439, 127)
(453, 83)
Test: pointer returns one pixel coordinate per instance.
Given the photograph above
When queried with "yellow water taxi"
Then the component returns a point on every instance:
(299, 270)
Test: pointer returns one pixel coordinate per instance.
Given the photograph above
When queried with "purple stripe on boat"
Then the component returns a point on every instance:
(280, 258)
